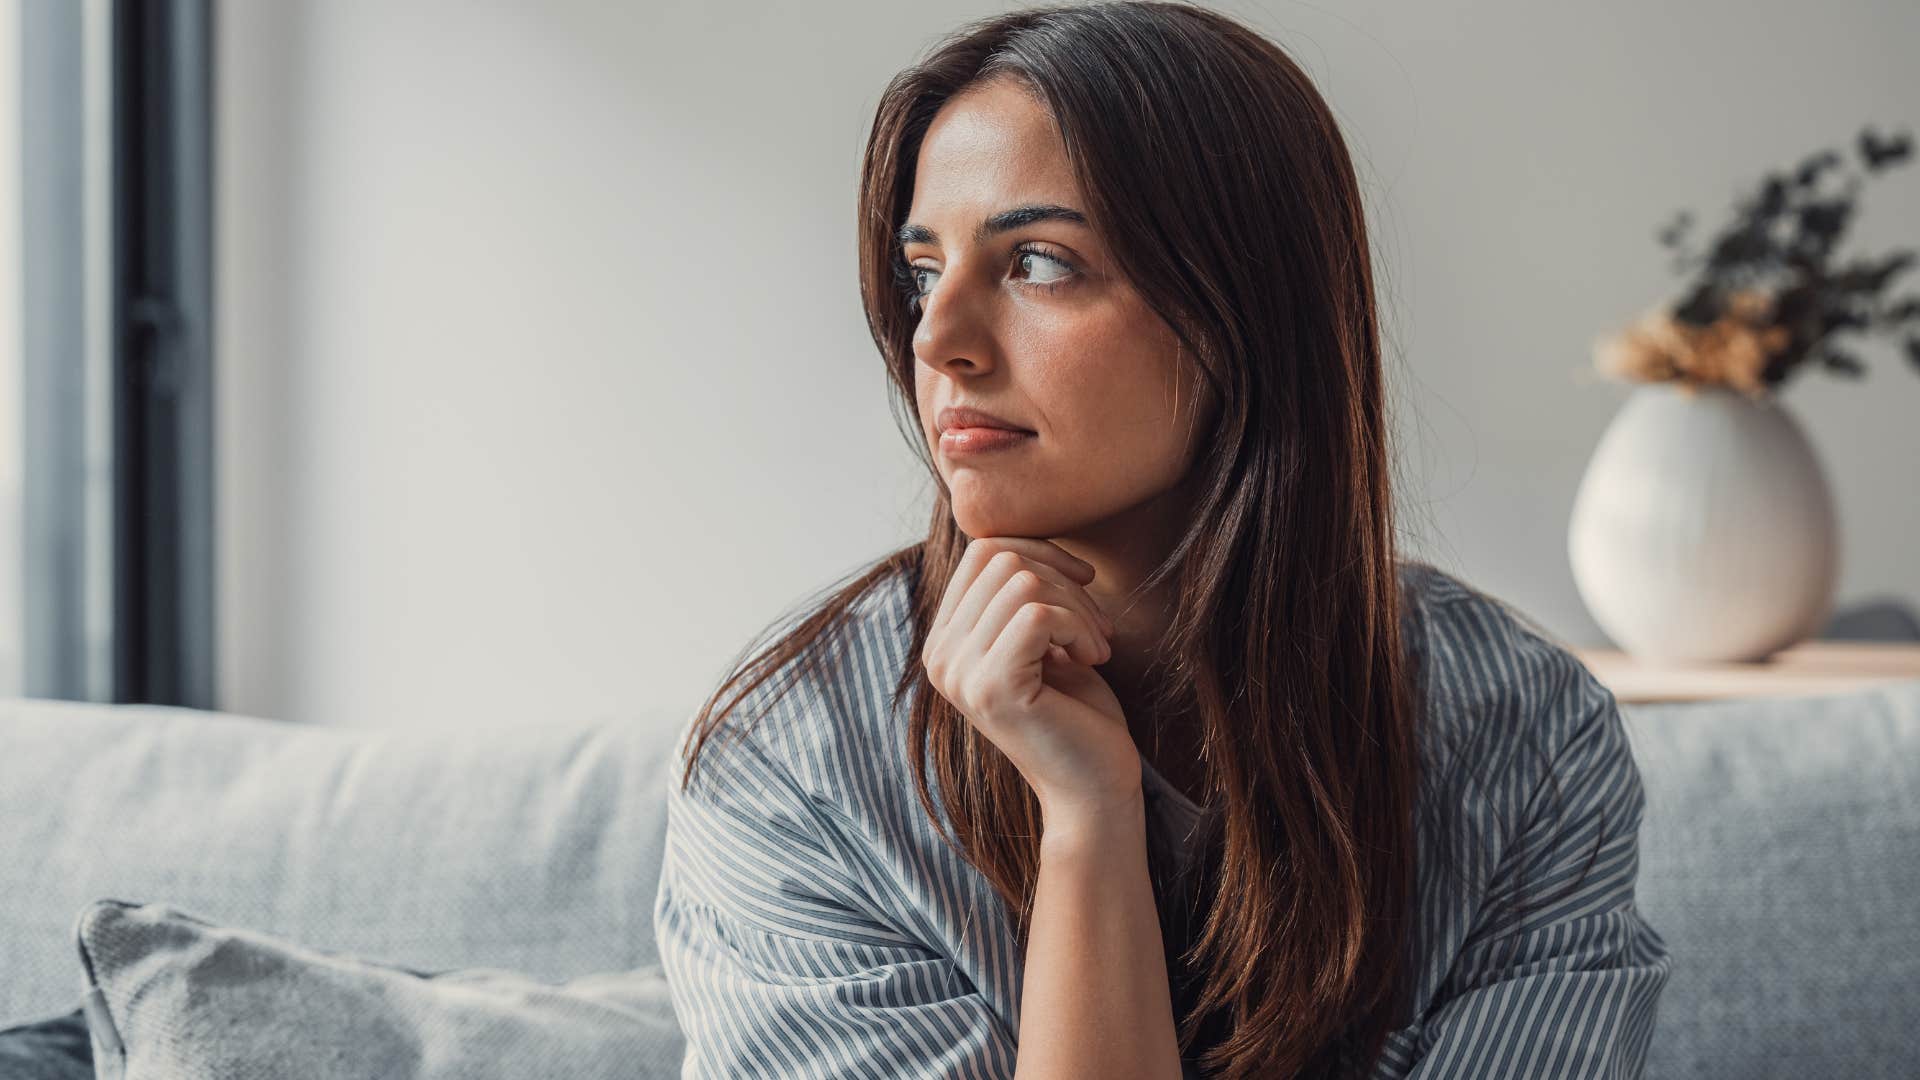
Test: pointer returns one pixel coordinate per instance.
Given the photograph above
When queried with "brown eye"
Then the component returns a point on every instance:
(1030, 253)
(906, 277)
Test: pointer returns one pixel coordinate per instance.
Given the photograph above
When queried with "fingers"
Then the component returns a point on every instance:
(1048, 552)
(970, 615)
(1032, 609)
(982, 550)
(960, 611)
(995, 580)
(1036, 630)
(1072, 594)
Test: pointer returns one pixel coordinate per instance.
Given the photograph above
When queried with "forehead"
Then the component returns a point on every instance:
(987, 149)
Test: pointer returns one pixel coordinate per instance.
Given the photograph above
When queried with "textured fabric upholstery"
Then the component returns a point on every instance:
(1780, 855)
(532, 848)
(1780, 858)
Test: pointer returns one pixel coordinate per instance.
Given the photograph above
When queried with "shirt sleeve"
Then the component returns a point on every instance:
(782, 963)
(1570, 988)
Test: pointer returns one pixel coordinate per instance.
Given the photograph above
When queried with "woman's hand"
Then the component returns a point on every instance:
(1013, 647)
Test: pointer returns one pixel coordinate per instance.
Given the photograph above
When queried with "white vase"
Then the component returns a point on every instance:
(1704, 528)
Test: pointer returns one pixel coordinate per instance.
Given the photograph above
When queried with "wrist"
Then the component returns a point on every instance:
(1083, 824)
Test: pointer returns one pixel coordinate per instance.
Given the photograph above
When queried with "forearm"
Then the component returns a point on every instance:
(1095, 1000)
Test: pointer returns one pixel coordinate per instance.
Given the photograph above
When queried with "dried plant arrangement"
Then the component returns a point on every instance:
(1766, 297)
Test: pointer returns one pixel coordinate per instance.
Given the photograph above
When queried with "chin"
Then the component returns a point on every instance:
(976, 520)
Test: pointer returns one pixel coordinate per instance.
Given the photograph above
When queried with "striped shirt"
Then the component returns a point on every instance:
(812, 923)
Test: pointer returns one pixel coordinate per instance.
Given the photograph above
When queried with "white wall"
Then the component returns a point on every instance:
(520, 301)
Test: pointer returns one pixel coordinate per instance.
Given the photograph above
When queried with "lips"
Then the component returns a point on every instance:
(968, 441)
(967, 417)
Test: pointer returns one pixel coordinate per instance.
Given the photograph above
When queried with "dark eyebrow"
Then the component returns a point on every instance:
(1004, 221)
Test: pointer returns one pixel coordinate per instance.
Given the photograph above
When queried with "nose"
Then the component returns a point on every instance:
(955, 332)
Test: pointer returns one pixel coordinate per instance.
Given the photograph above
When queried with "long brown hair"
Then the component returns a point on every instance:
(1218, 179)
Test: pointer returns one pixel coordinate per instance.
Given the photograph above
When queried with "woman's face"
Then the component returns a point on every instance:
(1032, 324)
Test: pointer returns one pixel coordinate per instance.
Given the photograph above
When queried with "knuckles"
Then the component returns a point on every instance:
(972, 690)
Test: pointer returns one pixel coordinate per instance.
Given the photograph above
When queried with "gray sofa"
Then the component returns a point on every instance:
(1780, 855)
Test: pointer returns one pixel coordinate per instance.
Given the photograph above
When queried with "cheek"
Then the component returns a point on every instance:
(1117, 400)
(1134, 422)
(923, 405)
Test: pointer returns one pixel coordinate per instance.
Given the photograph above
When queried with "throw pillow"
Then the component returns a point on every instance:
(175, 995)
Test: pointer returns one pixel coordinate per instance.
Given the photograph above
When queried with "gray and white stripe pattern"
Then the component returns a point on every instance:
(812, 923)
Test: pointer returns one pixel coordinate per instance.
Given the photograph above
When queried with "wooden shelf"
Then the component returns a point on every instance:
(1811, 667)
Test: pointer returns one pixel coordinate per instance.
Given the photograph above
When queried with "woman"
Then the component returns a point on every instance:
(1153, 758)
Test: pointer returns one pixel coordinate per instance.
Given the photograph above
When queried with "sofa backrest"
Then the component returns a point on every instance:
(533, 847)
(1780, 855)
(1780, 860)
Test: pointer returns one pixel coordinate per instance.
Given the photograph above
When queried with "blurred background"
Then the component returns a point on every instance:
(379, 362)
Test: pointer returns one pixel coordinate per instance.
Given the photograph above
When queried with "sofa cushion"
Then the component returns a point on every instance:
(179, 996)
(1780, 860)
(533, 847)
